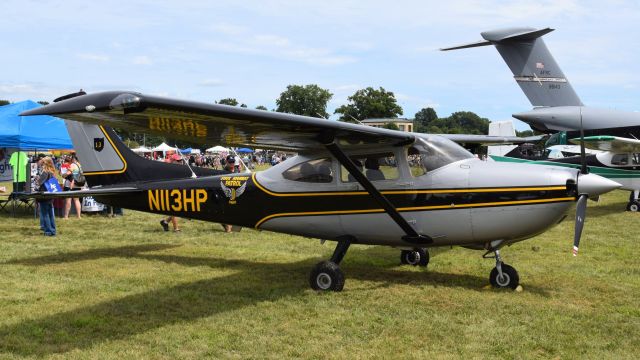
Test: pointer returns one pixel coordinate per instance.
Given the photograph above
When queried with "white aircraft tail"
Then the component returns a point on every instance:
(501, 128)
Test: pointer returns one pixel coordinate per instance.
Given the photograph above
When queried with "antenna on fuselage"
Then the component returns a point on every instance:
(186, 162)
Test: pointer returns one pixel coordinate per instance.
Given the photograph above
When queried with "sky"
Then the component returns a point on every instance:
(251, 50)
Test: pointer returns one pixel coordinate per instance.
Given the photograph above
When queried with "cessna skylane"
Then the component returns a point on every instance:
(559, 110)
(352, 184)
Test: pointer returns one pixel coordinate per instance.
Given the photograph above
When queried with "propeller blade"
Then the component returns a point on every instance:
(583, 156)
(581, 210)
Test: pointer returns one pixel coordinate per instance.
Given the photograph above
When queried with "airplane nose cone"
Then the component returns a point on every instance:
(594, 185)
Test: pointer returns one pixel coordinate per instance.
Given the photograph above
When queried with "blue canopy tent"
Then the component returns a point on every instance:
(244, 150)
(41, 132)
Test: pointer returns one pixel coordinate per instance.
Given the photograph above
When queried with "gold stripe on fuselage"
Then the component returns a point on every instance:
(408, 192)
(415, 208)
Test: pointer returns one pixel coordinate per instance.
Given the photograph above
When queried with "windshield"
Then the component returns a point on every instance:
(436, 152)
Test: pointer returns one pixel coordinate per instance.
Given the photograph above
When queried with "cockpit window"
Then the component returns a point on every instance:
(313, 171)
(375, 166)
(416, 164)
(435, 152)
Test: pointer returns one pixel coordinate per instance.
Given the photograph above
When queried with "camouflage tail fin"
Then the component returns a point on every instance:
(532, 65)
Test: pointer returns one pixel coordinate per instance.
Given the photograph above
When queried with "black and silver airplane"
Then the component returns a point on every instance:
(559, 110)
(352, 184)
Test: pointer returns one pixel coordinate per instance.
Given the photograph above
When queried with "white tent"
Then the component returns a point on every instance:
(217, 149)
(141, 149)
(163, 147)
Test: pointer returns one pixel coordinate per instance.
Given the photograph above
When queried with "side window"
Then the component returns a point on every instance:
(620, 159)
(376, 167)
(312, 171)
(416, 165)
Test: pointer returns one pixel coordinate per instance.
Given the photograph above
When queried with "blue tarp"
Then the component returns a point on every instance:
(244, 150)
(41, 132)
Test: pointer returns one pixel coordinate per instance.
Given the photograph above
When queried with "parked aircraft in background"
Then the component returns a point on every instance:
(557, 109)
(352, 184)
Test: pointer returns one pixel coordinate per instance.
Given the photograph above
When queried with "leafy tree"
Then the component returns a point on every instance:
(4, 102)
(243, 105)
(461, 122)
(391, 126)
(423, 119)
(309, 100)
(228, 101)
(524, 133)
(370, 103)
(260, 107)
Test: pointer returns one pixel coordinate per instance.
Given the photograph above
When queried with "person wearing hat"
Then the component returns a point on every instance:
(175, 159)
(230, 166)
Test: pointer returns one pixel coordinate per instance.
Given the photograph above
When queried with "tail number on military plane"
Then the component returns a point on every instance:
(177, 200)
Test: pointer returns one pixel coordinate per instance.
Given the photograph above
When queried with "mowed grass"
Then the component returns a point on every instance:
(113, 288)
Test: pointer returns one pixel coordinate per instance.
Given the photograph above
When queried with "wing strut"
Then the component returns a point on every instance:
(412, 235)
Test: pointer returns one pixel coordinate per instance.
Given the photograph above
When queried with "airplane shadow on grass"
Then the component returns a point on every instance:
(255, 282)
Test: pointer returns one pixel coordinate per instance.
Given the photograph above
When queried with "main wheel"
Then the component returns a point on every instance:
(633, 206)
(509, 279)
(326, 276)
(415, 257)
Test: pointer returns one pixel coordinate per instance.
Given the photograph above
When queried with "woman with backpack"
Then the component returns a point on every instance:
(47, 217)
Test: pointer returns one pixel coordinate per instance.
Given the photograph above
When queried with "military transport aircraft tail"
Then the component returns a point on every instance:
(532, 65)
(106, 160)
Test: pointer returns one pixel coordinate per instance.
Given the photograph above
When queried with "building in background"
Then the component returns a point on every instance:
(403, 124)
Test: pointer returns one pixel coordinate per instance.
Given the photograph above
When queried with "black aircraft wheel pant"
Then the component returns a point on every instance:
(634, 202)
(326, 275)
(503, 275)
(633, 206)
(415, 257)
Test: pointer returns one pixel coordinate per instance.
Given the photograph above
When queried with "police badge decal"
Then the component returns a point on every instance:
(233, 187)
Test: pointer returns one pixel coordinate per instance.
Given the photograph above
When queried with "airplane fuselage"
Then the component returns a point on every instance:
(455, 205)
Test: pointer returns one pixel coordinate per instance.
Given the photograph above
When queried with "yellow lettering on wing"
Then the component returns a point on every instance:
(181, 126)
(187, 200)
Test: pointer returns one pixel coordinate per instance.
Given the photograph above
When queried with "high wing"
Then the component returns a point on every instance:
(217, 124)
(490, 139)
(614, 144)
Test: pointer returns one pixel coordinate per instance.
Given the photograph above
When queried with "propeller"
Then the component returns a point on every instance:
(581, 206)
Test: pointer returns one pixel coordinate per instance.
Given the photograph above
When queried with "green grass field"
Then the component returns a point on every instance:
(113, 288)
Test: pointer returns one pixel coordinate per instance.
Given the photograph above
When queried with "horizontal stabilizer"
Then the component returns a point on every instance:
(465, 46)
(82, 193)
(514, 34)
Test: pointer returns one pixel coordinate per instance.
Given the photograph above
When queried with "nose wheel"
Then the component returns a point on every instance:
(634, 201)
(415, 257)
(503, 275)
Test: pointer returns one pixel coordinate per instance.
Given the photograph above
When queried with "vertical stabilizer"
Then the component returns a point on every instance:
(106, 160)
(500, 128)
(533, 67)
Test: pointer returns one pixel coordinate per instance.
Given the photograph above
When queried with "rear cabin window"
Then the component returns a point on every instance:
(416, 162)
(312, 171)
(375, 167)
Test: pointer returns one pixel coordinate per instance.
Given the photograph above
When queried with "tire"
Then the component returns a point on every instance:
(415, 257)
(510, 280)
(326, 276)
(633, 206)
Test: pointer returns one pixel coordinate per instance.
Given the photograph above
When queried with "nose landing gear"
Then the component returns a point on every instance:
(634, 201)
(503, 275)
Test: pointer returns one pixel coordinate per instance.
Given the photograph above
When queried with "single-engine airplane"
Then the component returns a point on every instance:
(559, 110)
(350, 183)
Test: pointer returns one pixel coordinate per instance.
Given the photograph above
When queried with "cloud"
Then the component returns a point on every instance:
(142, 60)
(211, 82)
(242, 40)
(94, 57)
